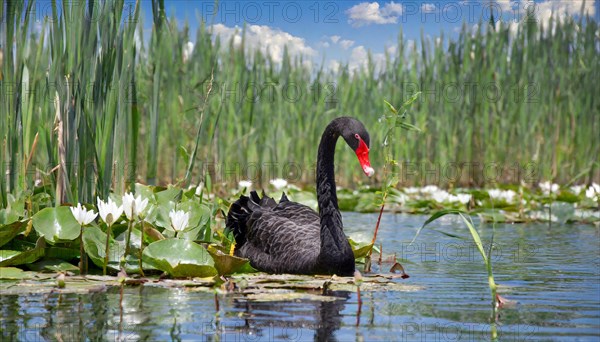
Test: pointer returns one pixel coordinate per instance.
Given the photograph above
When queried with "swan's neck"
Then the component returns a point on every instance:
(334, 245)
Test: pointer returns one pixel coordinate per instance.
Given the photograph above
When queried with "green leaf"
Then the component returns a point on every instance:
(476, 238)
(9, 231)
(434, 217)
(56, 224)
(391, 108)
(227, 264)
(14, 273)
(412, 99)
(180, 258)
(26, 257)
(94, 245)
(407, 126)
(53, 265)
(361, 248)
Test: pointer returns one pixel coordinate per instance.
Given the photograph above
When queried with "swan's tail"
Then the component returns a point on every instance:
(241, 211)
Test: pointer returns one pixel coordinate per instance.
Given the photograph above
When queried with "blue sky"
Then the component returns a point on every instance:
(343, 31)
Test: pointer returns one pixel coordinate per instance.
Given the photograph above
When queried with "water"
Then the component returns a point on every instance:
(553, 274)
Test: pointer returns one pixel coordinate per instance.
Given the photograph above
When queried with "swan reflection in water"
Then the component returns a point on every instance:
(283, 320)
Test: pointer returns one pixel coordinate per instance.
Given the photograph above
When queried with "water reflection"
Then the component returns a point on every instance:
(554, 276)
(284, 320)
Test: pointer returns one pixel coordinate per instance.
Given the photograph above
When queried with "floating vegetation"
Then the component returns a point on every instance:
(173, 219)
(254, 287)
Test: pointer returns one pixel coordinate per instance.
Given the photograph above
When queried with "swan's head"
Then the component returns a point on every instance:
(358, 139)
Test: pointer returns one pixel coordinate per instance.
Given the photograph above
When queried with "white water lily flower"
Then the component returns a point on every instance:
(504, 195)
(133, 207)
(83, 216)
(593, 192)
(548, 188)
(464, 198)
(430, 189)
(440, 196)
(411, 190)
(576, 189)
(109, 212)
(279, 183)
(245, 184)
(179, 220)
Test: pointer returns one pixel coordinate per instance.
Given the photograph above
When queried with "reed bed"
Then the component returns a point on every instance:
(92, 105)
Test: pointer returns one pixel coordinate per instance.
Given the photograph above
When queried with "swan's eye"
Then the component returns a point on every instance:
(357, 136)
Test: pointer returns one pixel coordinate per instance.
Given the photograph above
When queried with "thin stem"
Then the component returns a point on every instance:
(81, 252)
(141, 249)
(376, 230)
(129, 229)
(106, 250)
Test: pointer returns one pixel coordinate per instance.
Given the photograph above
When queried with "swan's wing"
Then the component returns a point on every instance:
(286, 239)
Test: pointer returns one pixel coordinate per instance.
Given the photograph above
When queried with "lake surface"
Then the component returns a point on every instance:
(553, 274)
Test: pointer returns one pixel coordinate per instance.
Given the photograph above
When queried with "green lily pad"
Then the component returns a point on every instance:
(14, 273)
(7, 254)
(13, 211)
(53, 265)
(228, 264)
(26, 257)
(360, 249)
(9, 231)
(94, 244)
(56, 224)
(180, 258)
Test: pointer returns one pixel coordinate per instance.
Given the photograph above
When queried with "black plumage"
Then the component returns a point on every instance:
(288, 237)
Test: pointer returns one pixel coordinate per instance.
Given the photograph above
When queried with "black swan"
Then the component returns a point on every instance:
(289, 237)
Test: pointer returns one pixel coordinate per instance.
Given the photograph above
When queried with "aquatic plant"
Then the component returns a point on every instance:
(390, 121)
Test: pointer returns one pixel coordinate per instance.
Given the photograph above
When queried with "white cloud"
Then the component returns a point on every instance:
(367, 13)
(188, 49)
(543, 11)
(270, 41)
(359, 59)
(346, 43)
(428, 8)
(334, 65)
(559, 10)
(391, 50)
(335, 39)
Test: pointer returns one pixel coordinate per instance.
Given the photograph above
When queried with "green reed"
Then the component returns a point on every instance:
(111, 106)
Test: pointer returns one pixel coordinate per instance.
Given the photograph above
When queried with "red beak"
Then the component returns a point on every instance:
(362, 153)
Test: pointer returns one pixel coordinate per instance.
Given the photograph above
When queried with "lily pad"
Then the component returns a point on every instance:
(94, 244)
(53, 265)
(228, 264)
(180, 258)
(13, 211)
(14, 273)
(360, 249)
(9, 231)
(26, 257)
(56, 224)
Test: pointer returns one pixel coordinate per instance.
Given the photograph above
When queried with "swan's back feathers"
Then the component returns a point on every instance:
(279, 237)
